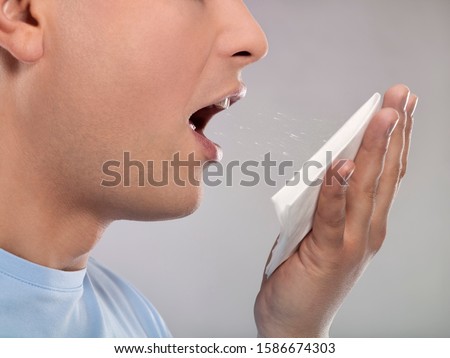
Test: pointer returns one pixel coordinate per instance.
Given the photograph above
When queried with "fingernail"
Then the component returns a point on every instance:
(406, 100)
(415, 106)
(349, 174)
(392, 128)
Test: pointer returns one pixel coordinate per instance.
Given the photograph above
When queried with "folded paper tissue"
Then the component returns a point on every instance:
(296, 202)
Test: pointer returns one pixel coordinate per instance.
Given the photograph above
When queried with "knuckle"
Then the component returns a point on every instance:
(378, 147)
(371, 193)
(335, 186)
(356, 254)
(334, 221)
(394, 173)
(339, 193)
(361, 190)
(326, 263)
(356, 249)
(327, 189)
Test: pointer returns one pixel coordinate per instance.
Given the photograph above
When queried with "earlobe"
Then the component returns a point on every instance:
(20, 32)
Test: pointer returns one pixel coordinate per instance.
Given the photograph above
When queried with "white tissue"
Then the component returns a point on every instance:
(295, 204)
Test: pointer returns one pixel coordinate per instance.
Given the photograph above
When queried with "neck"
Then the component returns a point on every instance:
(48, 237)
(38, 221)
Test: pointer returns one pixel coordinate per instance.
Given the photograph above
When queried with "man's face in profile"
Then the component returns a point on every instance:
(118, 76)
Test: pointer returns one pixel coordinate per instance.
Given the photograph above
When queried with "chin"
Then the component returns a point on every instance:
(171, 205)
(186, 204)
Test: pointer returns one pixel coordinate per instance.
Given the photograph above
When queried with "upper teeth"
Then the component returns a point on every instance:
(225, 104)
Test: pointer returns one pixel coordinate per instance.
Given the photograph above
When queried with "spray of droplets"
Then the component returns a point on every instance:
(285, 136)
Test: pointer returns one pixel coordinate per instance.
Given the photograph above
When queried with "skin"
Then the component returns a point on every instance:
(301, 298)
(79, 89)
(104, 90)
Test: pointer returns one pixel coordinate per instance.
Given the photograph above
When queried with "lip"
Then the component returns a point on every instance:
(212, 151)
(234, 96)
(202, 116)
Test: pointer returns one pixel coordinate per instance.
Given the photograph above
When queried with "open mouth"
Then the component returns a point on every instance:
(200, 119)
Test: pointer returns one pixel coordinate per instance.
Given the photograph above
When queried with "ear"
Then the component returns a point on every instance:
(20, 32)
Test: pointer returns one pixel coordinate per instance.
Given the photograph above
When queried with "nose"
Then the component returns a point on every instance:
(242, 38)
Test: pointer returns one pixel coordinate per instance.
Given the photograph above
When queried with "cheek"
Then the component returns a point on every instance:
(120, 88)
(149, 50)
(135, 77)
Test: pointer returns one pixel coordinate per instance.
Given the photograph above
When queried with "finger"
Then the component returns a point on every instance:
(410, 109)
(394, 169)
(369, 163)
(329, 218)
(398, 98)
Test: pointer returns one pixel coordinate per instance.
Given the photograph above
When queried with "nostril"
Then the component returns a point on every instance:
(242, 53)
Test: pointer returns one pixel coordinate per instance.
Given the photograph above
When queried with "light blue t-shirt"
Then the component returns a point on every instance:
(37, 301)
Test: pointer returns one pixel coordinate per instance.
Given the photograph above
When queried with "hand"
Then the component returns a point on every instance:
(301, 298)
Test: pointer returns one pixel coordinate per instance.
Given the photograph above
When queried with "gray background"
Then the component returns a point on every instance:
(326, 58)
